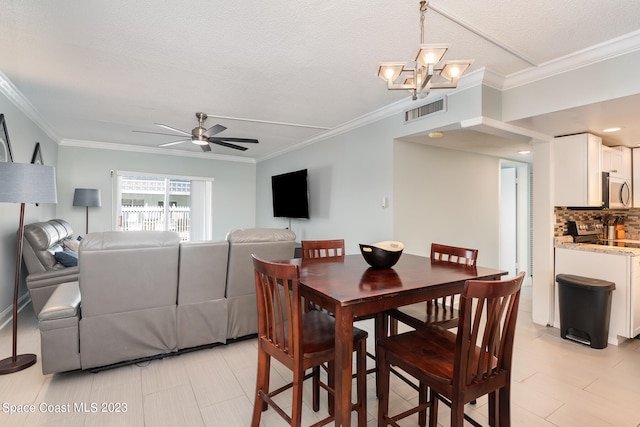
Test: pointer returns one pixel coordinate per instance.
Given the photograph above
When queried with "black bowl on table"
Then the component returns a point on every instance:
(382, 254)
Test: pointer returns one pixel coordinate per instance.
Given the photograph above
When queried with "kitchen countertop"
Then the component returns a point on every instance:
(566, 242)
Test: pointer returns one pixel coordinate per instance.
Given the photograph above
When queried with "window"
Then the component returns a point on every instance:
(169, 203)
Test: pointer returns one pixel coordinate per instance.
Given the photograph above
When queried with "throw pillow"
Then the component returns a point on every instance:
(67, 257)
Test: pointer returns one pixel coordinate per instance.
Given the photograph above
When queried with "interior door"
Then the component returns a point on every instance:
(508, 220)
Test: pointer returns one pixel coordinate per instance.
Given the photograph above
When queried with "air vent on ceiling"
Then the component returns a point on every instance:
(425, 110)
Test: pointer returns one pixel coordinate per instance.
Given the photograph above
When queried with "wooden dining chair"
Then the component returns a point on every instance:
(459, 367)
(300, 341)
(441, 310)
(322, 248)
(332, 248)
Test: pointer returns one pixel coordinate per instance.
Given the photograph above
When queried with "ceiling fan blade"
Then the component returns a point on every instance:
(213, 130)
(226, 144)
(174, 143)
(219, 138)
(155, 133)
(173, 129)
(205, 148)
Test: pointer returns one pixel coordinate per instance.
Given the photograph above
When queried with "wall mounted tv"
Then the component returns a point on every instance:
(290, 197)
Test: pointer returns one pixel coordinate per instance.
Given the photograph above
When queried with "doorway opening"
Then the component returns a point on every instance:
(515, 218)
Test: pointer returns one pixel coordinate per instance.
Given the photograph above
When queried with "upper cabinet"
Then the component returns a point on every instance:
(617, 161)
(577, 161)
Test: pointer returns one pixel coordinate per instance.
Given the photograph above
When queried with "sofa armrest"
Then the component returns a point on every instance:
(41, 285)
(63, 303)
(52, 277)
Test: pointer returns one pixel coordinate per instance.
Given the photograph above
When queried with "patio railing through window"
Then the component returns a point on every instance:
(153, 218)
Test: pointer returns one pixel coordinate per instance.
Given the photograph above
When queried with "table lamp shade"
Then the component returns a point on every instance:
(89, 197)
(27, 183)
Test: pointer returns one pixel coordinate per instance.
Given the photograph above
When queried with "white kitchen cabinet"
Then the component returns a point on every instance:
(623, 270)
(577, 161)
(617, 161)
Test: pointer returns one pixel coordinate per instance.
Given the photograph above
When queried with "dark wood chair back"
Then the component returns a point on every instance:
(322, 248)
(486, 329)
(442, 310)
(454, 254)
(279, 307)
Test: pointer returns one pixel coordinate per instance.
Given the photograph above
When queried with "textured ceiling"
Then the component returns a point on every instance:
(97, 70)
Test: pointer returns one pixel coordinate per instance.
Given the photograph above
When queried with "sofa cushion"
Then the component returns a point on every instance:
(67, 257)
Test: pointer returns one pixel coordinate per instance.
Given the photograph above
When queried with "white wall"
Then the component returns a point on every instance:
(447, 197)
(347, 177)
(234, 191)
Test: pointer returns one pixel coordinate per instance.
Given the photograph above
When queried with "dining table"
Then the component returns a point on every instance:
(348, 287)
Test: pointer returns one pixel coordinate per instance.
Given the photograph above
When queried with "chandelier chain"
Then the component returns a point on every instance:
(423, 10)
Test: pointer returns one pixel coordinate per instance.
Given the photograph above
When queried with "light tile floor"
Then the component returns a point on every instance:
(555, 383)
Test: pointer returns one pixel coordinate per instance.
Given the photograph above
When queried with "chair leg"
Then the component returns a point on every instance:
(331, 382)
(422, 399)
(393, 326)
(492, 408)
(262, 384)
(381, 331)
(361, 371)
(504, 406)
(316, 389)
(296, 408)
(433, 409)
(457, 413)
(383, 392)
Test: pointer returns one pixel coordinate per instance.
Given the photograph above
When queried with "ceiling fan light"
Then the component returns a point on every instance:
(199, 140)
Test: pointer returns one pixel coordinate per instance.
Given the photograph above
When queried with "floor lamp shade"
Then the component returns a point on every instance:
(27, 183)
(89, 198)
(23, 183)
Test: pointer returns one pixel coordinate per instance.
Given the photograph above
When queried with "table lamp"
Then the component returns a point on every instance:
(89, 198)
(23, 183)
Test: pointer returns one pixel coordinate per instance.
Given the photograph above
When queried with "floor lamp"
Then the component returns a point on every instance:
(23, 183)
(89, 198)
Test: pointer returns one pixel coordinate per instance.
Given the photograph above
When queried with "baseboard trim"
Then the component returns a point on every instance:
(7, 314)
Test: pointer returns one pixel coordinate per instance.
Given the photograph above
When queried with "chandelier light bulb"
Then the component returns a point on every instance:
(429, 58)
(388, 73)
(455, 71)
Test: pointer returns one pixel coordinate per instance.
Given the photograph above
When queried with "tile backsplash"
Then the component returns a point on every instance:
(631, 219)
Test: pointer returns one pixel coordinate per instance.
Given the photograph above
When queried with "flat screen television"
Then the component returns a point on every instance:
(290, 196)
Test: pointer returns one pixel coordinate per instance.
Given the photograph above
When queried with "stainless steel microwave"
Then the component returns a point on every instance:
(616, 192)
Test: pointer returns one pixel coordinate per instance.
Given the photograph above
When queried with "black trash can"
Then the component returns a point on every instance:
(585, 309)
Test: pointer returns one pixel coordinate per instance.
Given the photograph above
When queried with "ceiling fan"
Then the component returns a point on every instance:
(201, 136)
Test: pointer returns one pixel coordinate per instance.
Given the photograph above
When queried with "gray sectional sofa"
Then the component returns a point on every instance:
(145, 294)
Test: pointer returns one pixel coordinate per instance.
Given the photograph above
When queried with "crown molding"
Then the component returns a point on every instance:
(8, 89)
(397, 107)
(601, 52)
(153, 150)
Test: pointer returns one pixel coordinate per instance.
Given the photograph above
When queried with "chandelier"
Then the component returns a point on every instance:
(421, 75)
